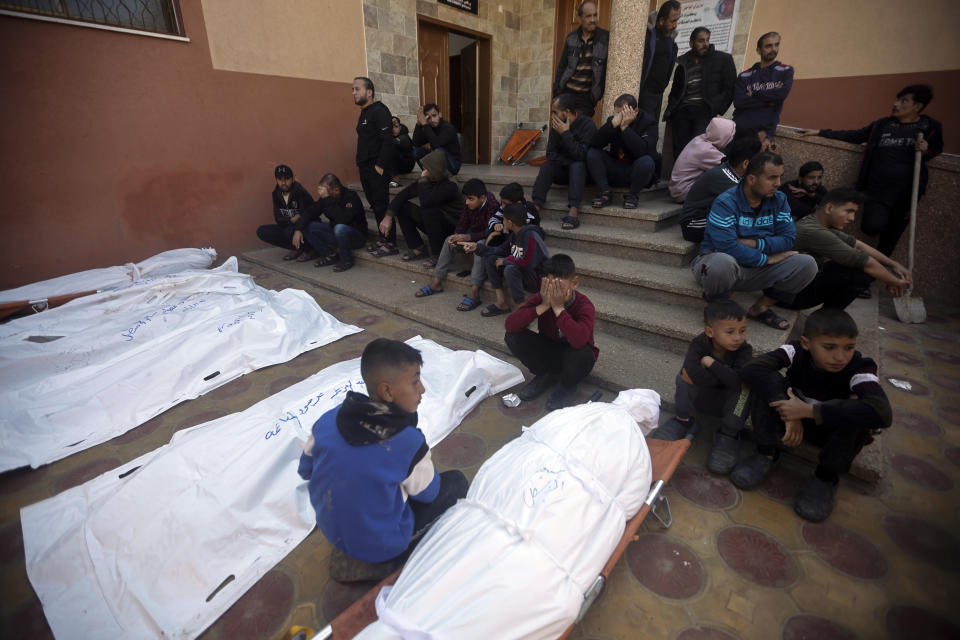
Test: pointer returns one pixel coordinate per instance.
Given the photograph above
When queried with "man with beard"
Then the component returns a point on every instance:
(659, 55)
(433, 133)
(582, 69)
(748, 242)
(886, 171)
(806, 192)
(761, 90)
(290, 201)
(702, 88)
(374, 151)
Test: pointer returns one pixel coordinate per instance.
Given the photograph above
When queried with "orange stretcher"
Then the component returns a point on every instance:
(665, 456)
(519, 143)
(21, 307)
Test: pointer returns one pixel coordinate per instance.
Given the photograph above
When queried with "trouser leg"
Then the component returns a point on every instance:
(897, 223)
(839, 445)
(409, 227)
(437, 227)
(577, 176)
(377, 190)
(649, 102)
(575, 364)
(641, 174)
(717, 273)
(515, 278)
(321, 237)
(493, 272)
(681, 398)
(692, 230)
(453, 487)
(782, 280)
(477, 272)
(835, 287)
(348, 238)
(545, 178)
(597, 165)
(730, 406)
(278, 236)
(445, 259)
(538, 354)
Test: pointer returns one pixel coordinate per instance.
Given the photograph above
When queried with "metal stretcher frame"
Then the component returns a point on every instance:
(42, 304)
(665, 457)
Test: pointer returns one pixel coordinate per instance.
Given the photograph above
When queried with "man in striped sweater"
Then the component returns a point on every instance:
(830, 396)
(748, 244)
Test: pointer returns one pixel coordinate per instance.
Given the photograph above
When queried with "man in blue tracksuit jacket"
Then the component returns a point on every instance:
(748, 244)
(761, 90)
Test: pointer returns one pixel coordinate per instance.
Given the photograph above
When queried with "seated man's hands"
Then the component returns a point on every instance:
(458, 238)
(685, 376)
(297, 239)
(629, 114)
(797, 192)
(793, 409)
(559, 124)
(774, 258)
(794, 433)
(468, 247)
(386, 224)
(748, 242)
(421, 116)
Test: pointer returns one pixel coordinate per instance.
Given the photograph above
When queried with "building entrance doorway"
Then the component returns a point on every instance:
(456, 74)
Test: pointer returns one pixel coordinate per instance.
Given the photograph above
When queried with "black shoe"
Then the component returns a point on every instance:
(672, 429)
(723, 456)
(751, 471)
(815, 500)
(866, 294)
(561, 397)
(536, 387)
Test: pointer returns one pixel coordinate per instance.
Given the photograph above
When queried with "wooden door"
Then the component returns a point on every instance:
(566, 21)
(468, 105)
(433, 48)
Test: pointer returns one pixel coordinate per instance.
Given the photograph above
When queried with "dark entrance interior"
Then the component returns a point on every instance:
(456, 73)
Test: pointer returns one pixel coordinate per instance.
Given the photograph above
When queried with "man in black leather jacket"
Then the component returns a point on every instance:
(582, 69)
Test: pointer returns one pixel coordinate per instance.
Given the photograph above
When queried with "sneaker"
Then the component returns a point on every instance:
(750, 472)
(343, 568)
(394, 184)
(561, 397)
(536, 387)
(672, 429)
(815, 500)
(723, 455)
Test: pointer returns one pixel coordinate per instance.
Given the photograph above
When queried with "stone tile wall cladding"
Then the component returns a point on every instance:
(522, 34)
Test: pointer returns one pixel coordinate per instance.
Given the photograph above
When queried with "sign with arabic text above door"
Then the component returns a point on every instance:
(466, 5)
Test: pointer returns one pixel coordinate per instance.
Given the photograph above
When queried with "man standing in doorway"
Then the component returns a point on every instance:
(702, 88)
(762, 89)
(886, 171)
(582, 69)
(433, 133)
(374, 148)
(659, 55)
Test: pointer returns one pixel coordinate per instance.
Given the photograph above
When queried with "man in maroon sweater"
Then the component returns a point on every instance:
(563, 350)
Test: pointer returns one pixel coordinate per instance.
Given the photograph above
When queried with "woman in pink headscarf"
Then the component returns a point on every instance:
(703, 152)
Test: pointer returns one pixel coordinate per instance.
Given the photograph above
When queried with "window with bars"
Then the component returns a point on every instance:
(158, 16)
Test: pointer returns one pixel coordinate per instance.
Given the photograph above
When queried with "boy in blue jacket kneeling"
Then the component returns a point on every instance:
(372, 482)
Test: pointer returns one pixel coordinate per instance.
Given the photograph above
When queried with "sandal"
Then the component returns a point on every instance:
(292, 255)
(326, 261)
(373, 248)
(493, 310)
(429, 263)
(344, 265)
(771, 319)
(306, 256)
(386, 249)
(630, 201)
(427, 290)
(468, 304)
(569, 223)
(413, 254)
(605, 198)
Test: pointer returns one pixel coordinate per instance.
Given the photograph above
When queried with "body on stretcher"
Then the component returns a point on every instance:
(664, 456)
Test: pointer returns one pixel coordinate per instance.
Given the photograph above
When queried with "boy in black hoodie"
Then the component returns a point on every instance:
(886, 171)
(632, 159)
(520, 258)
(335, 242)
(432, 203)
(290, 201)
(830, 396)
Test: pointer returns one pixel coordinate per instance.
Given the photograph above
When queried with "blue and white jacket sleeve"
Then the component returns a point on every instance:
(722, 229)
(423, 482)
(784, 232)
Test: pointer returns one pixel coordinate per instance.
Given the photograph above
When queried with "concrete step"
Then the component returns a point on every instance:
(622, 364)
(653, 213)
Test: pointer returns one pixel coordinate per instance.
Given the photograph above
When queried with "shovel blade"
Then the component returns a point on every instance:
(910, 310)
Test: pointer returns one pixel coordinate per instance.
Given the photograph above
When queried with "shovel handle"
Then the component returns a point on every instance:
(914, 196)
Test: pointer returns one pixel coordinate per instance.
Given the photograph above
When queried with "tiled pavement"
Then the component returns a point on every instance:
(733, 565)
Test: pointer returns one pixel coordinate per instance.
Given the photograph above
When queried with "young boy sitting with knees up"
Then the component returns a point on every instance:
(563, 349)
(510, 194)
(479, 206)
(520, 257)
(709, 384)
(372, 483)
(831, 396)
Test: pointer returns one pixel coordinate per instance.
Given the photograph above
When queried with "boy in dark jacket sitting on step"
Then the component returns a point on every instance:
(520, 257)
(709, 384)
(830, 396)
(371, 480)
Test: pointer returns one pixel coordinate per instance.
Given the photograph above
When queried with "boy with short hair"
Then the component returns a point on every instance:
(830, 396)
(479, 205)
(709, 384)
(371, 480)
(562, 350)
(520, 258)
(510, 194)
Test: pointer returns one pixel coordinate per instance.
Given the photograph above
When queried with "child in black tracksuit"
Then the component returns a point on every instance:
(709, 384)
(510, 194)
(831, 396)
(520, 257)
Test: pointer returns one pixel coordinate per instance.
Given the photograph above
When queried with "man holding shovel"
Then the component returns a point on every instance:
(886, 171)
